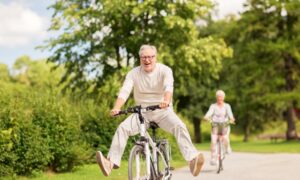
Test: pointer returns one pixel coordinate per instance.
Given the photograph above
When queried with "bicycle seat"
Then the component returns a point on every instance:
(153, 125)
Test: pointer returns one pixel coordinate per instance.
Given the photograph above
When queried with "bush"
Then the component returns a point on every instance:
(7, 158)
(60, 124)
(39, 129)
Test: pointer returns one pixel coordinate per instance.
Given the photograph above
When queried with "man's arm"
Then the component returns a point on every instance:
(168, 87)
(117, 107)
(167, 99)
(123, 94)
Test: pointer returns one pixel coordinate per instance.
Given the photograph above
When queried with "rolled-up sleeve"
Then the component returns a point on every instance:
(230, 114)
(168, 80)
(127, 87)
(209, 113)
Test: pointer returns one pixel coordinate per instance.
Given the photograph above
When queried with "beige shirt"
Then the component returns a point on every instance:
(148, 88)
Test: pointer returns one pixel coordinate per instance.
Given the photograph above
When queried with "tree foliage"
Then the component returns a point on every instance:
(264, 72)
(102, 37)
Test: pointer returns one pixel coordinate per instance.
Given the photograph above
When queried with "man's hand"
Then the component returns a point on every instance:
(164, 104)
(113, 112)
(118, 104)
(166, 101)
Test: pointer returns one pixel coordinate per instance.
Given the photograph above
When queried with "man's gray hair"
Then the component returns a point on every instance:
(147, 46)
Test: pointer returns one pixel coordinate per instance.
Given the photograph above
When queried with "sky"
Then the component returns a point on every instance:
(24, 24)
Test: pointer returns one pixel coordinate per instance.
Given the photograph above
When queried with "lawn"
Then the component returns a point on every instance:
(260, 146)
(91, 172)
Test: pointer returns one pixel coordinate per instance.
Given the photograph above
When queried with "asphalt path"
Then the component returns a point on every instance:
(247, 166)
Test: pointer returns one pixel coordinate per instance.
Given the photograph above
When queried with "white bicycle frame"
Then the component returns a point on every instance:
(155, 150)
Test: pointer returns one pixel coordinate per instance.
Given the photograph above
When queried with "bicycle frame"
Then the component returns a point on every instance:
(146, 141)
(220, 142)
(150, 144)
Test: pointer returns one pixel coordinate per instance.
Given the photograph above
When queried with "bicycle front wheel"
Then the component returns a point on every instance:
(137, 166)
(163, 162)
(220, 156)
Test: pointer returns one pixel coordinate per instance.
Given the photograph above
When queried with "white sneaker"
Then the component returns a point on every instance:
(228, 150)
(213, 162)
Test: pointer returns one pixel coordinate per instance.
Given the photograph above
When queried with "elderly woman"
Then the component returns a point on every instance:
(219, 112)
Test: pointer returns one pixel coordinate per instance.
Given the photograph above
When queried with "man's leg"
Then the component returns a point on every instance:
(170, 122)
(129, 127)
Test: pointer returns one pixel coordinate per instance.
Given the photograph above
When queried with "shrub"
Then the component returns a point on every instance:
(39, 129)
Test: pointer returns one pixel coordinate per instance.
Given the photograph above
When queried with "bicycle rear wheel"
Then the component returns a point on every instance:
(137, 167)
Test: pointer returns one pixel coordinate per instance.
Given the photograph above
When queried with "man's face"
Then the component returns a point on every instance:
(220, 99)
(148, 60)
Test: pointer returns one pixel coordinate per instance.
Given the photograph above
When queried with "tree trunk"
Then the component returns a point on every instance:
(118, 57)
(246, 132)
(246, 135)
(289, 114)
(197, 129)
(290, 118)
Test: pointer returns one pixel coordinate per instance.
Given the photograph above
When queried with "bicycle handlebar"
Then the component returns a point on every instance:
(137, 109)
(225, 122)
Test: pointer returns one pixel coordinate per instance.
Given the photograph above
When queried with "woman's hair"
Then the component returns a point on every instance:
(220, 93)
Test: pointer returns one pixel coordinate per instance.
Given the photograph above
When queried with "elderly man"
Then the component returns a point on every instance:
(152, 84)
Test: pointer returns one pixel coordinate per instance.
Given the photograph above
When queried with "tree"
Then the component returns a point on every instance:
(264, 72)
(196, 73)
(4, 73)
(36, 73)
(102, 37)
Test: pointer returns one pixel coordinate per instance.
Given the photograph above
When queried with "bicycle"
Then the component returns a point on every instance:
(144, 164)
(220, 144)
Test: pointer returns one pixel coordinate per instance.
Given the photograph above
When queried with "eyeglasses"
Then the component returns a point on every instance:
(147, 57)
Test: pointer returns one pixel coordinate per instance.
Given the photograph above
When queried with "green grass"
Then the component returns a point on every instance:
(91, 172)
(260, 146)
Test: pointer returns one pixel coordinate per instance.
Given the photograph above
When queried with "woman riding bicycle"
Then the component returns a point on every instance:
(219, 112)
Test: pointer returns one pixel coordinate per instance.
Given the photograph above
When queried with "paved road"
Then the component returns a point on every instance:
(248, 166)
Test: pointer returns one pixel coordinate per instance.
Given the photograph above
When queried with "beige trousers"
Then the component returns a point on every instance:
(166, 119)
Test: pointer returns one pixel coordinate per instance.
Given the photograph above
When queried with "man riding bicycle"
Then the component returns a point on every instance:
(152, 84)
(219, 112)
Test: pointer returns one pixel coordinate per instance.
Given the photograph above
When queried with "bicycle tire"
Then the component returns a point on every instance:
(132, 163)
(165, 154)
(220, 160)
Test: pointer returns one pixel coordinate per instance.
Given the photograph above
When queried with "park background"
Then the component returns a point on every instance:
(54, 110)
